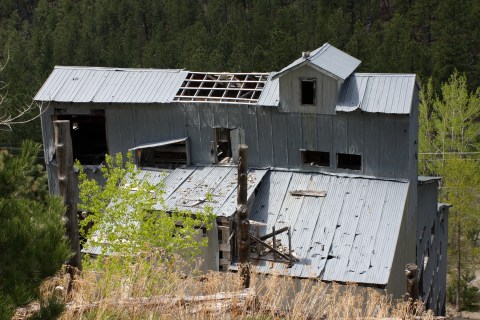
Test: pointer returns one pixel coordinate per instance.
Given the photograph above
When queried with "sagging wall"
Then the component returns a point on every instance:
(432, 240)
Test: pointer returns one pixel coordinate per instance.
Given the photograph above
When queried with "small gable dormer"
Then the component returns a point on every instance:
(311, 84)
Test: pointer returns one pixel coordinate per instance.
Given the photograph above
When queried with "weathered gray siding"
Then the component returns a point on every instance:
(432, 240)
(274, 138)
(397, 285)
(290, 93)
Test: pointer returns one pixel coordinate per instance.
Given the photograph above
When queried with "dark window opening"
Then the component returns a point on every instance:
(349, 161)
(165, 155)
(222, 144)
(89, 137)
(432, 232)
(308, 91)
(316, 158)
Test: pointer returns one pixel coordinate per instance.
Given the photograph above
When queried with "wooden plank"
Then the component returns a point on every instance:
(225, 247)
(308, 193)
(224, 262)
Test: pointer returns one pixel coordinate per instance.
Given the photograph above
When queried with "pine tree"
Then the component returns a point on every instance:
(32, 234)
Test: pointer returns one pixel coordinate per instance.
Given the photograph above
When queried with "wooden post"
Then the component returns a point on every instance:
(66, 183)
(411, 273)
(243, 225)
(290, 244)
(274, 244)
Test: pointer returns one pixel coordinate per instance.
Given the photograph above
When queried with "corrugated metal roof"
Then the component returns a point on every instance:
(114, 85)
(186, 188)
(106, 85)
(377, 92)
(329, 59)
(349, 235)
(270, 96)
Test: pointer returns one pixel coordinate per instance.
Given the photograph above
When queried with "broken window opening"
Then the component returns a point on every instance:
(432, 233)
(164, 155)
(349, 161)
(89, 136)
(222, 145)
(315, 158)
(307, 90)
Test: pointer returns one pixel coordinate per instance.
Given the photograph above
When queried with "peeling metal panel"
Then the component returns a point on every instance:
(187, 188)
(105, 85)
(349, 235)
(382, 93)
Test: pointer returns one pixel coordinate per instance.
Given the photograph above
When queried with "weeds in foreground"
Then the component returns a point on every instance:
(164, 291)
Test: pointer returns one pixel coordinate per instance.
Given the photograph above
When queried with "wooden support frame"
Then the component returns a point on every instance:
(260, 241)
(244, 88)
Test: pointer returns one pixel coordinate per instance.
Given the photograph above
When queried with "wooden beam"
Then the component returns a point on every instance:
(308, 193)
(243, 225)
(269, 235)
(66, 184)
(271, 248)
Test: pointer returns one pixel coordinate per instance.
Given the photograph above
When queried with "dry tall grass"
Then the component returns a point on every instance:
(143, 291)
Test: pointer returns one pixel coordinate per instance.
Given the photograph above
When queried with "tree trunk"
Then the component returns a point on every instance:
(457, 300)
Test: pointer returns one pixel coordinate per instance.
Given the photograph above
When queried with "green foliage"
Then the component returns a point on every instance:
(50, 309)
(127, 215)
(449, 146)
(32, 234)
(423, 36)
(470, 295)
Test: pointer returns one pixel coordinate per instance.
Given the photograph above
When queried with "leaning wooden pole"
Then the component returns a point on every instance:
(66, 184)
(243, 225)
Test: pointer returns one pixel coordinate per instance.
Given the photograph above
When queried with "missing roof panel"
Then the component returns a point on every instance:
(244, 88)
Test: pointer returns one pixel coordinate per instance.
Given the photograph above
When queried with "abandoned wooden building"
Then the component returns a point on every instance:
(332, 161)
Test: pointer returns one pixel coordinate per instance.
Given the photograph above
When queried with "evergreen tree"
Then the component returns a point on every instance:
(32, 234)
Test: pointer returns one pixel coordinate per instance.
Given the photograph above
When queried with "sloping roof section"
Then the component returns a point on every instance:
(187, 188)
(115, 85)
(327, 59)
(108, 85)
(377, 92)
(348, 235)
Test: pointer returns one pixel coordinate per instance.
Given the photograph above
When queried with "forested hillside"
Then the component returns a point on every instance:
(426, 37)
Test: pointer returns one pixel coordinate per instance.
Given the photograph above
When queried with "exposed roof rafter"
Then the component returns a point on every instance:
(244, 88)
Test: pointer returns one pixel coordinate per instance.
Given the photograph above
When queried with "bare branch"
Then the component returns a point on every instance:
(6, 62)
(8, 120)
